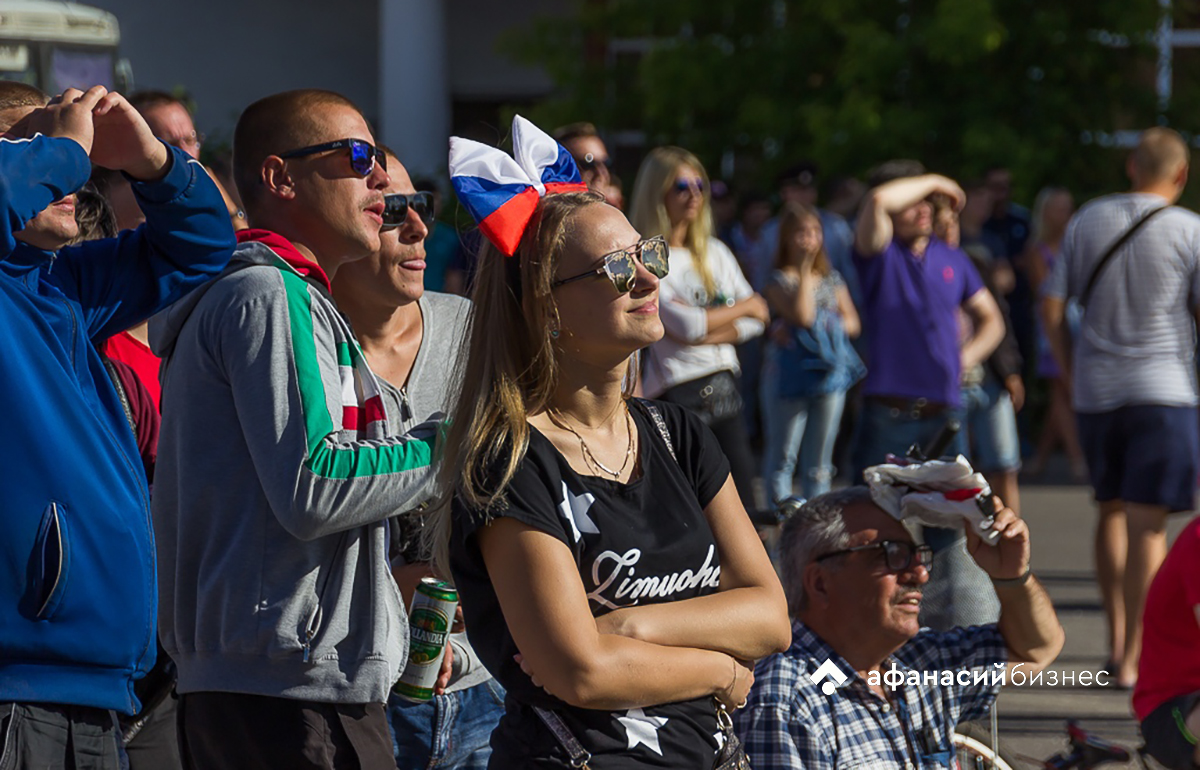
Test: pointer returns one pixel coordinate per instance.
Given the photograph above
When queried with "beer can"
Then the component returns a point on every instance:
(434, 603)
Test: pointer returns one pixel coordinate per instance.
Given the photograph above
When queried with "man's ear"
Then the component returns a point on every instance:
(816, 586)
(276, 179)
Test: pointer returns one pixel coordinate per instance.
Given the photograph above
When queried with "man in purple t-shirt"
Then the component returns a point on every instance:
(913, 287)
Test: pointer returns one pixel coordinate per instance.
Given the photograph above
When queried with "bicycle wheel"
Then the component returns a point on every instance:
(971, 753)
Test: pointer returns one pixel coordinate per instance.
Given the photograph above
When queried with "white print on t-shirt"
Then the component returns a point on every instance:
(641, 729)
(635, 588)
(574, 509)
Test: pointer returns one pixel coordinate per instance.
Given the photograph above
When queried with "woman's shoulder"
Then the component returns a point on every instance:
(535, 472)
(782, 278)
(679, 421)
(718, 248)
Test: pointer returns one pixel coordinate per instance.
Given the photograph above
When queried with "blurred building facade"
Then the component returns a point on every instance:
(419, 69)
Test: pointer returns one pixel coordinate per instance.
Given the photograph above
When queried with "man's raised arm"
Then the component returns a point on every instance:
(43, 158)
(1028, 623)
(873, 232)
(187, 238)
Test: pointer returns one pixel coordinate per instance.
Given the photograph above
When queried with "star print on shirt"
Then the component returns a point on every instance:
(574, 508)
(642, 729)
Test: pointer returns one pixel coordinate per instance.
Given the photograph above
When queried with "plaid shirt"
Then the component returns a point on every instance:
(788, 722)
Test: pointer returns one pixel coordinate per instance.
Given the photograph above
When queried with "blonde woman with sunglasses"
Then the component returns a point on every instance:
(608, 575)
(707, 305)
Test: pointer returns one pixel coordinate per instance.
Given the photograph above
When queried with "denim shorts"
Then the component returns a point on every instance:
(992, 427)
(1143, 454)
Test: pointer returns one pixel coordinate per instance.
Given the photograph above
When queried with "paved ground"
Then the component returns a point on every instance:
(1032, 720)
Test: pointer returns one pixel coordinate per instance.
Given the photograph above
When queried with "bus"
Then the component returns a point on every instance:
(59, 45)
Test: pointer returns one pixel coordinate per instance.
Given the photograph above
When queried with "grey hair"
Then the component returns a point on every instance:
(818, 528)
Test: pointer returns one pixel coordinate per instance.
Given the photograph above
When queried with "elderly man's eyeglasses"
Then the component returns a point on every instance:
(898, 553)
(621, 267)
(363, 154)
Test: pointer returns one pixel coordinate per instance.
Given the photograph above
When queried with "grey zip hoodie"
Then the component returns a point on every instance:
(275, 477)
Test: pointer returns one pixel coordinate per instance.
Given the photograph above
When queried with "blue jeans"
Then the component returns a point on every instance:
(992, 427)
(450, 731)
(884, 431)
(803, 430)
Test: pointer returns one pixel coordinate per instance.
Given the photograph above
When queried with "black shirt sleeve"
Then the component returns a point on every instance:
(529, 498)
(696, 448)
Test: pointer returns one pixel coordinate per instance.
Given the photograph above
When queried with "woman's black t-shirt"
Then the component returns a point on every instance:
(635, 544)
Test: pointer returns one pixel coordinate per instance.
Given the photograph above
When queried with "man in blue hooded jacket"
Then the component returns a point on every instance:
(78, 593)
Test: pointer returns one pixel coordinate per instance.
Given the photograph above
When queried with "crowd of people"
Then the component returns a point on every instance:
(258, 416)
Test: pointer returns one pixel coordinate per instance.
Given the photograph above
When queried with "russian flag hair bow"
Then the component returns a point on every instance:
(502, 192)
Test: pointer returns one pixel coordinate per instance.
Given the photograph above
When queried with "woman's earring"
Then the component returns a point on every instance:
(554, 334)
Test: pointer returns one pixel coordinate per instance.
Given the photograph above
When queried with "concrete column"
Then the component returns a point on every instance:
(414, 83)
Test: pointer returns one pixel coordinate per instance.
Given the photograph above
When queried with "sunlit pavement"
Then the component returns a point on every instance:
(1033, 719)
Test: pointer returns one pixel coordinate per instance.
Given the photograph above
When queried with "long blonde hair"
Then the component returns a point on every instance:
(649, 210)
(511, 369)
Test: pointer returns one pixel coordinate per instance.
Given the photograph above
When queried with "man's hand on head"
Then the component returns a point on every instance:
(68, 115)
(1009, 557)
(124, 142)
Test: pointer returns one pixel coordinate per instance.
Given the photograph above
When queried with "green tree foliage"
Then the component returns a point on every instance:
(959, 84)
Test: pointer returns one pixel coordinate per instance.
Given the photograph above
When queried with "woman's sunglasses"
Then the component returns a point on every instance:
(621, 266)
(396, 206)
(685, 185)
(363, 154)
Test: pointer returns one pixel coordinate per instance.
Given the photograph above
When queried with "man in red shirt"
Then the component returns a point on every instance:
(1167, 696)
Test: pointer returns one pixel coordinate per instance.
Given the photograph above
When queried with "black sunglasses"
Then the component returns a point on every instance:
(621, 268)
(898, 553)
(363, 154)
(589, 162)
(396, 206)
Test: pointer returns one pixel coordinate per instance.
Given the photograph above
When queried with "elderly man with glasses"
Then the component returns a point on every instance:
(863, 684)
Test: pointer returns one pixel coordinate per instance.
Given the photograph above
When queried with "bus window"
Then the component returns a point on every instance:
(80, 69)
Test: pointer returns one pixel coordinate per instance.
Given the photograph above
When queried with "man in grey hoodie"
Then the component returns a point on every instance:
(277, 468)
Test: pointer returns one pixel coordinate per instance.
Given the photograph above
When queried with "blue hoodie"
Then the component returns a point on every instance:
(78, 589)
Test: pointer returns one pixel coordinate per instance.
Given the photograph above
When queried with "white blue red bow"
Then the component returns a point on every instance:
(502, 192)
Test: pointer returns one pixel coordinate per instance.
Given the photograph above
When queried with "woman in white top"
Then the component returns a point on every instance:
(706, 305)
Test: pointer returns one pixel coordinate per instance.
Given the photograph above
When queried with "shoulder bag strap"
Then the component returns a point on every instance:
(578, 754)
(1112, 250)
(656, 417)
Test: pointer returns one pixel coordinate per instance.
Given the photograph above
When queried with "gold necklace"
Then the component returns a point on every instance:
(590, 458)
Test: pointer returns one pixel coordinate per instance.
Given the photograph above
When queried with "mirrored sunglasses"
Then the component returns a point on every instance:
(363, 154)
(621, 266)
(684, 185)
